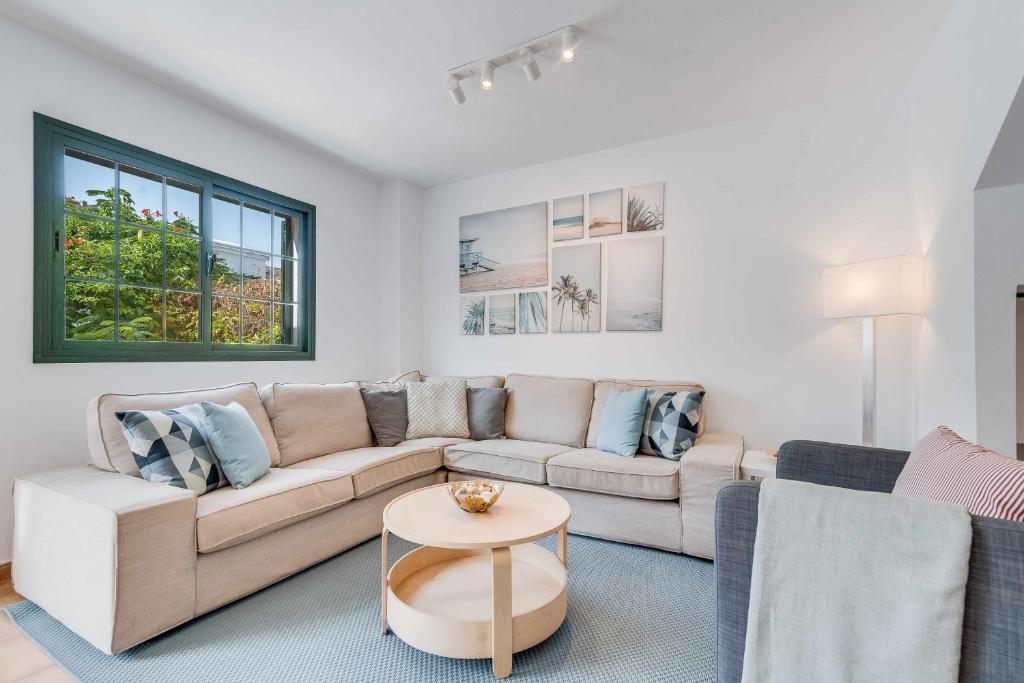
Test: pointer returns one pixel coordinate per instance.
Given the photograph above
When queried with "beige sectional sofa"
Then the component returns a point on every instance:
(119, 559)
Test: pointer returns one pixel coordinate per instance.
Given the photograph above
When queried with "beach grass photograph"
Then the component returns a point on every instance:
(605, 213)
(471, 315)
(501, 314)
(506, 249)
(576, 288)
(645, 207)
(533, 313)
(567, 218)
(635, 284)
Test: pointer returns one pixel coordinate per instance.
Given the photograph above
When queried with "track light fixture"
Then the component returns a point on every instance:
(529, 64)
(455, 90)
(525, 54)
(486, 76)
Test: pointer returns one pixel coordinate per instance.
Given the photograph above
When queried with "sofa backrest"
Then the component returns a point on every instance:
(395, 382)
(603, 387)
(548, 409)
(108, 449)
(311, 420)
(473, 381)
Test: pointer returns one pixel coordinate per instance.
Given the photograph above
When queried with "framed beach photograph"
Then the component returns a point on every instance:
(567, 218)
(533, 313)
(605, 213)
(635, 284)
(501, 314)
(472, 311)
(645, 207)
(576, 288)
(506, 249)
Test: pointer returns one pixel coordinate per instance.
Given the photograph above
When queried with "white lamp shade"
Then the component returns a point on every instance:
(886, 286)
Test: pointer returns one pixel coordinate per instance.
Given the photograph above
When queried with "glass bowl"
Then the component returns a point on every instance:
(475, 496)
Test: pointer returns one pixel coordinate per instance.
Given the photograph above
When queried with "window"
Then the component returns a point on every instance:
(140, 257)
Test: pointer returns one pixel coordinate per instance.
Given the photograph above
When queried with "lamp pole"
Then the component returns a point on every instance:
(869, 382)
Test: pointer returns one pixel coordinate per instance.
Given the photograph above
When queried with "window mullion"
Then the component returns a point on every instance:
(205, 274)
(117, 251)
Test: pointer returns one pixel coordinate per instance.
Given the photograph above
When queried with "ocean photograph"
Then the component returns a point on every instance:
(506, 249)
(605, 213)
(567, 218)
(645, 207)
(533, 313)
(471, 315)
(501, 314)
(576, 288)
(635, 284)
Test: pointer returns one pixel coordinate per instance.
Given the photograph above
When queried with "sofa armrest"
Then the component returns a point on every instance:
(110, 555)
(735, 529)
(850, 467)
(710, 464)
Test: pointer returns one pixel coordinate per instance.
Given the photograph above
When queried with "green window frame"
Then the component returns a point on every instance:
(155, 284)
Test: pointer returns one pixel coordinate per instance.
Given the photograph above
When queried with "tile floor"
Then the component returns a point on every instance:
(20, 659)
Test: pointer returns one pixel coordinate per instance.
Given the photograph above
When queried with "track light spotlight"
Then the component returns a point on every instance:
(569, 40)
(455, 90)
(486, 76)
(529, 64)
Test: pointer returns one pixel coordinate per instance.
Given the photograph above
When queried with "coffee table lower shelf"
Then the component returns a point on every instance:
(446, 601)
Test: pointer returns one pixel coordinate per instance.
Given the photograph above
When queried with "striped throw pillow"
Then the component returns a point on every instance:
(945, 467)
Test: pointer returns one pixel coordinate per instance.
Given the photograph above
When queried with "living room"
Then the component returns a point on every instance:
(716, 261)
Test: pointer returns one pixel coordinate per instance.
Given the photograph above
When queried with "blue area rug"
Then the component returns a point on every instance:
(635, 614)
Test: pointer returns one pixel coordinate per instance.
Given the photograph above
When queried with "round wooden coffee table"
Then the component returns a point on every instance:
(478, 587)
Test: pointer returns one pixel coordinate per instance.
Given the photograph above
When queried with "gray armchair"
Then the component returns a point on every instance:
(992, 649)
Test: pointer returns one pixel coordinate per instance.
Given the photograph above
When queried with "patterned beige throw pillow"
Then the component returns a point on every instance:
(437, 409)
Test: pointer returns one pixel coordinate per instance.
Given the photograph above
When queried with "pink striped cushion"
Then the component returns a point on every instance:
(944, 467)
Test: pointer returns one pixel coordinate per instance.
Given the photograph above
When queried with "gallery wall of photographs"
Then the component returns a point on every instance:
(537, 268)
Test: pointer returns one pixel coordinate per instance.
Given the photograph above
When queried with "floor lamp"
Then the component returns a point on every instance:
(868, 290)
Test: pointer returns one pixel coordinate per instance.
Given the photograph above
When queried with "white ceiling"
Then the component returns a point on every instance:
(362, 79)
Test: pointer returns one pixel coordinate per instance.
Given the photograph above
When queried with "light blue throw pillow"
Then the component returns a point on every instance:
(622, 422)
(236, 442)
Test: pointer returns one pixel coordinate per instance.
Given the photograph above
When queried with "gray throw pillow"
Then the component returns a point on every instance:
(486, 413)
(388, 415)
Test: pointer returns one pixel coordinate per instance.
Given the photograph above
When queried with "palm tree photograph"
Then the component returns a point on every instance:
(645, 207)
(473, 314)
(575, 294)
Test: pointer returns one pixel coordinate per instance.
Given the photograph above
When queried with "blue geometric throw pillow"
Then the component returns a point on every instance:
(169, 447)
(671, 423)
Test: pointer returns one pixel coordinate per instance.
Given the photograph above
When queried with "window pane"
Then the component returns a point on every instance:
(89, 311)
(227, 221)
(256, 276)
(182, 262)
(183, 207)
(284, 235)
(88, 183)
(226, 320)
(256, 322)
(182, 317)
(88, 247)
(140, 314)
(255, 228)
(225, 269)
(141, 257)
(286, 282)
(142, 197)
(285, 324)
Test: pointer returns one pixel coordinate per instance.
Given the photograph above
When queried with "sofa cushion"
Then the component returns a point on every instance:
(316, 419)
(108, 449)
(387, 412)
(486, 409)
(588, 469)
(440, 442)
(472, 381)
(437, 409)
(548, 409)
(229, 516)
(393, 383)
(671, 422)
(603, 387)
(504, 458)
(377, 468)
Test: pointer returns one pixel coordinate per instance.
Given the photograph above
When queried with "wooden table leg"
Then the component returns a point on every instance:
(384, 581)
(501, 614)
(563, 545)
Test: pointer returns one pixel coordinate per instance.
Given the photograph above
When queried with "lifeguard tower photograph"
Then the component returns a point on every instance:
(505, 249)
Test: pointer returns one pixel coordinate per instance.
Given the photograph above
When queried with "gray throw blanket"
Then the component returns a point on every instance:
(855, 586)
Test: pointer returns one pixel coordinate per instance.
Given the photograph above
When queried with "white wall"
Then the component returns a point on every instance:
(959, 97)
(999, 268)
(401, 214)
(42, 407)
(754, 211)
